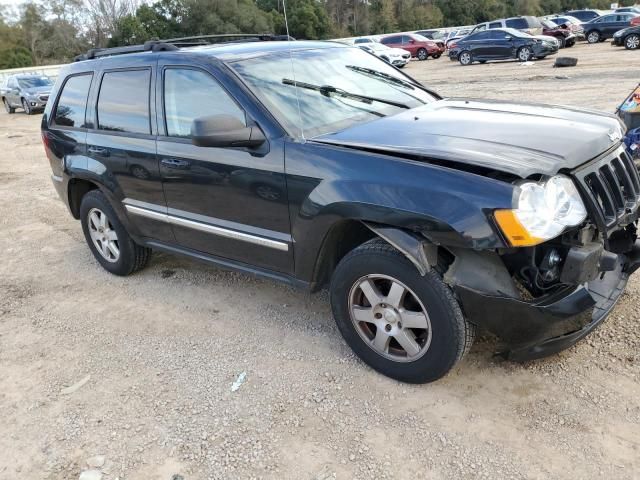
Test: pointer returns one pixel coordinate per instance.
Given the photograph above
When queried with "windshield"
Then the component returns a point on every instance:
(336, 88)
(34, 82)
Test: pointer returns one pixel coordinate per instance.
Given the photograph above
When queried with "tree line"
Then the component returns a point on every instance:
(53, 31)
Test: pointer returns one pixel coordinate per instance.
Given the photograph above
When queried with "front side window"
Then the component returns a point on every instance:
(189, 94)
(72, 104)
(123, 102)
(337, 87)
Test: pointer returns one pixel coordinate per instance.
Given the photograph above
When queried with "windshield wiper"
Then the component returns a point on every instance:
(382, 76)
(329, 90)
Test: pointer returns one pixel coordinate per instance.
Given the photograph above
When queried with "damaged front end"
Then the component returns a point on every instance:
(542, 299)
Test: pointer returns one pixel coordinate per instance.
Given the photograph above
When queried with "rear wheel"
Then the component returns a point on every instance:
(593, 37)
(563, 42)
(632, 42)
(436, 56)
(402, 324)
(26, 107)
(422, 54)
(107, 238)
(525, 54)
(465, 58)
(8, 107)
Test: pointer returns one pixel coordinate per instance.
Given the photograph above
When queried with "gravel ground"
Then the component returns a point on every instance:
(112, 378)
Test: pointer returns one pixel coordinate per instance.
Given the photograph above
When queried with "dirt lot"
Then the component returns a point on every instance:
(156, 353)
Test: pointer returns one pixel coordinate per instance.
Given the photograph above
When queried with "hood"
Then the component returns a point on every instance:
(546, 38)
(520, 139)
(38, 90)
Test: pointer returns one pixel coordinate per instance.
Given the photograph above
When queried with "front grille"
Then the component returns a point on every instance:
(611, 186)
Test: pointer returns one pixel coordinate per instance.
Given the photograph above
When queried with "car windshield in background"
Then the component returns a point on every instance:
(34, 82)
(328, 89)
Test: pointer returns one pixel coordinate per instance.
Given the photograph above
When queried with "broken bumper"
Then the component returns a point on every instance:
(532, 330)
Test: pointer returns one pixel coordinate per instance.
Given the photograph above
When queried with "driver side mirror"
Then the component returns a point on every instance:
(225, 131)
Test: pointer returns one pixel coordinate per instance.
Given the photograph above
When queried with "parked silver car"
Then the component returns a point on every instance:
(29, 92)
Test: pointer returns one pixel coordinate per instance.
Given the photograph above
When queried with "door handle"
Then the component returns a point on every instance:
(104, 152)
(175, 163)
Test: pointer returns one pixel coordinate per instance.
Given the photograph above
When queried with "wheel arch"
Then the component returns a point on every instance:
(77, 189)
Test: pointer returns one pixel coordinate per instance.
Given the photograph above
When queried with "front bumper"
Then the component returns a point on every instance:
(532, 330)
(617, 42)
(544, 49)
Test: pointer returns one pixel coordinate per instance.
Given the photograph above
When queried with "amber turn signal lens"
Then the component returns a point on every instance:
(516, 234)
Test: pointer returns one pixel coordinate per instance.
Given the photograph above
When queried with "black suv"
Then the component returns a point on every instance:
(320, 165)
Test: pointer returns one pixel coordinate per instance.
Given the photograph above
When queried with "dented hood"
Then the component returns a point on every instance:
(520, 139)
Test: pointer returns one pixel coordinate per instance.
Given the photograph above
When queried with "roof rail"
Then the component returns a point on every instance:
(182, 42)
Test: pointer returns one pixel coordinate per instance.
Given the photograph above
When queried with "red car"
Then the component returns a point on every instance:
(419, 46)
(562, 33)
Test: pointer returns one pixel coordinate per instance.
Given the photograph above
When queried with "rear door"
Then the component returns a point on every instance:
(480, 45)
(122, 144)
(227, 202)
(394, 41)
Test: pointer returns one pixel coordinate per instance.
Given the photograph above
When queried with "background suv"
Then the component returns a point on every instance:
(601, 28)
(417, 45)
(29, 92)
(527, 24)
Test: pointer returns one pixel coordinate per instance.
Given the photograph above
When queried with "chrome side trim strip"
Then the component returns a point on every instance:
(205, 227)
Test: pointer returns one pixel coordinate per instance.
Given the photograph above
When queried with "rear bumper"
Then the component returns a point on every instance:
(532, 330)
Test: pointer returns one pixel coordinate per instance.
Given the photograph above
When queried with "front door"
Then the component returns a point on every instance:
(122, 147)
(227, 202)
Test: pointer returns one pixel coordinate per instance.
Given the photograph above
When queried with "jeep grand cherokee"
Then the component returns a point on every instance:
(320, 165)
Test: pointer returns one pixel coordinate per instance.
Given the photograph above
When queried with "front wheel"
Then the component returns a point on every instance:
(26, 107)
(422, 54)
(465, 58)
(402, 324)
(593, 37)
(436, 56)
(632, 42)
(563, 42)
(109, 241)
(525, 54)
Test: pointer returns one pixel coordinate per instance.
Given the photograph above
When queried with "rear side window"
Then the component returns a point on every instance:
(123, 102)
(189, 94)
(495, 25)
(72, 104)
(517, 23)
(392, 40)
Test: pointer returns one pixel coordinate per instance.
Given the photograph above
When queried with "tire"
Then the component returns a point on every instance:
(437, 347)
(483, 61)
(525, 54)
(563, 42)
(422, 54)
(131, 256)
(26, 107)
(436, 56)
(8, 107)
(632, 42)
(593, 36)
(465, 58)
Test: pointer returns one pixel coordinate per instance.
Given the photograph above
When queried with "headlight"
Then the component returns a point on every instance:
(618, 34)
(542, 212)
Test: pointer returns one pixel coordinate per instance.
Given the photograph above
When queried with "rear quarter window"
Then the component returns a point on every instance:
(123, 102)
(72, 103)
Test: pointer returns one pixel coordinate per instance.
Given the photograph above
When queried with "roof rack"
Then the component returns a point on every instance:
(182, 42)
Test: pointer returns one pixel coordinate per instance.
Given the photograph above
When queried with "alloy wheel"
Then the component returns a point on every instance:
(594, 37)
(465, 58)
(524, 55)
(26, 107)
(632, 42)
(104, 237)
(390, 318)
(422, 54)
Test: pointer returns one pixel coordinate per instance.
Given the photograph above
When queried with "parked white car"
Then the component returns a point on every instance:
(395, 56)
